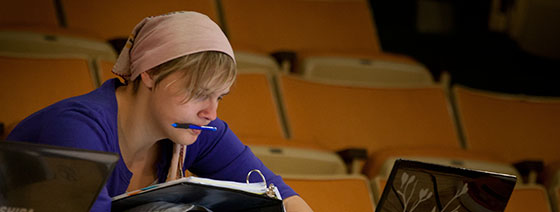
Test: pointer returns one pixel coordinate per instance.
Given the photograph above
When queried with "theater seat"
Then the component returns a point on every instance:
(555, 197)
(110, 19)
(552, 183)
(333, 193)
(532, 198)
(248, 61)
(251, 108)
(373, 118)
(28, 13)
(288, 159)
(104, 70)
(29, 84)
(341, 27)
(375, 71)
(252, 112)
(56, 43)
(514, 127)
(381, 162)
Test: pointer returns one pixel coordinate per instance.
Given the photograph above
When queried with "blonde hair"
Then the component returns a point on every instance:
(202, 73)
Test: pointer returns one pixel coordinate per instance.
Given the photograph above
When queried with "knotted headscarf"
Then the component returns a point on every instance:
(159, 39)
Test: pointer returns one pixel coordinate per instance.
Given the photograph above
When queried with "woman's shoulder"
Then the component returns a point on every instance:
(221, 139)
(96, 105)
(100, 103)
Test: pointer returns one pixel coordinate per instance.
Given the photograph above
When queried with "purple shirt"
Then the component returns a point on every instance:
(90, 122)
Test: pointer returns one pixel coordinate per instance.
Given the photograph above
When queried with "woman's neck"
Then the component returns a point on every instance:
(137, 136)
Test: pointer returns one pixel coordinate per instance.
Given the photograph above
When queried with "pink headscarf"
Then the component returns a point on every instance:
(158, 39)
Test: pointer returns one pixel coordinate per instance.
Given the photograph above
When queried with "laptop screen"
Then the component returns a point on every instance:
(417, 186)
(37, 177)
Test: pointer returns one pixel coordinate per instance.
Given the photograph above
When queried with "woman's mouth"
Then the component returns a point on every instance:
(194, 132)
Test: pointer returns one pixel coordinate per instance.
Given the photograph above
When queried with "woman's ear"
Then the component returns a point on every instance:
(147, 80)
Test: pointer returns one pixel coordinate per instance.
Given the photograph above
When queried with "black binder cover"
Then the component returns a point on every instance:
(214, 198)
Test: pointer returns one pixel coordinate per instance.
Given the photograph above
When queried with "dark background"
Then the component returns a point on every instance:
(472, 54)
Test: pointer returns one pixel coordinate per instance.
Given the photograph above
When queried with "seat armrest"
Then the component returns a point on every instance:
(529, 170)
(2, 130)
(354, 158)
(286, 59)
(118, 44)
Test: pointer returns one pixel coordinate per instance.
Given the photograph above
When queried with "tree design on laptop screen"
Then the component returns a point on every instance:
(421, 190)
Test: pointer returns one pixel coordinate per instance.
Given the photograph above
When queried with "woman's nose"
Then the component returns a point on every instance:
(209, 111)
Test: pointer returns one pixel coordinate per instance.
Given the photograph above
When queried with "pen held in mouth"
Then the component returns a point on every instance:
(194, 127)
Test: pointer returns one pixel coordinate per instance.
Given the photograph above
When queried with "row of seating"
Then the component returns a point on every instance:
(97, 20)
(418, 122)
(294, 21)
(97, 54)
(406, 122)
(414, 122)
(349, 93)
(351, 193)
(307, 28)
(30, 83)
(337, 117)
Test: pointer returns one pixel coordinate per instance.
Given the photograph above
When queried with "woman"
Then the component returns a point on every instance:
(177, 67)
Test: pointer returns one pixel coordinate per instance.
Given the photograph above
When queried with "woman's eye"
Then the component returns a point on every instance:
(203, 97)
(220, 98)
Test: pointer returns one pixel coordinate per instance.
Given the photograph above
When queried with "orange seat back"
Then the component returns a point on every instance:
(29, 84)
(516, 128)
(302, 26)
(340, 117)
(111, 19)
(334, 194)
(251, 109)
(528, 198)
(38, 13)
(104, 68)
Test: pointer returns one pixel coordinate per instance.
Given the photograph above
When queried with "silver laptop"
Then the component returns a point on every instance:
(415, 186)
(36, 177)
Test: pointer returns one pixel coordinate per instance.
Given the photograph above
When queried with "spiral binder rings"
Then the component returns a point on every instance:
(212, 195)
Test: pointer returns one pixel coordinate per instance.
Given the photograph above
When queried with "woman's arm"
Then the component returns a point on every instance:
(221, 155)
(296, 204)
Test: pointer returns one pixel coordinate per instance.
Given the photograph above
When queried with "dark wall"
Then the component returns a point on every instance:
(464, 46)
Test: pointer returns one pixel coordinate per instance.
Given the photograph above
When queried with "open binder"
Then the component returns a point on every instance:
(213, 195)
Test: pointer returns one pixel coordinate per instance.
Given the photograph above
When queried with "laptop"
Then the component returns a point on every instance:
(35, 177)
(417, 186)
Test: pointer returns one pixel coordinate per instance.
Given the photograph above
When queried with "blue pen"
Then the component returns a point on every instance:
(149, 187)
(194, 127)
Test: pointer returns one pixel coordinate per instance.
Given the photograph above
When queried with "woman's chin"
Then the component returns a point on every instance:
(186, 139)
